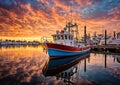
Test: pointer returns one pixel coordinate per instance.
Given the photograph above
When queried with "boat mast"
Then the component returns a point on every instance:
(74, 25)
(85, 35)
(105, 37)
(70, 23)
(77, 33)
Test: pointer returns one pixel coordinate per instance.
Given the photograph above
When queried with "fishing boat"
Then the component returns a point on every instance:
(66, 42)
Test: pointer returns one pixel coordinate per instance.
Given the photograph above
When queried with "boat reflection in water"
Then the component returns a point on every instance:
(65, 68)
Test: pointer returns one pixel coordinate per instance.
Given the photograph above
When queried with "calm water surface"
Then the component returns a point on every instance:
(31, 66)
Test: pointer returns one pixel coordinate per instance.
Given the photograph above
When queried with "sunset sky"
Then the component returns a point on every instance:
(36, 18)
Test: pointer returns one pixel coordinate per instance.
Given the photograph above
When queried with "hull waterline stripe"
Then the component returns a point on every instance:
(67, 50)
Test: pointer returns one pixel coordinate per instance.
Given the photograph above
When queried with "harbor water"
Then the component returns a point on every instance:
(31, 65)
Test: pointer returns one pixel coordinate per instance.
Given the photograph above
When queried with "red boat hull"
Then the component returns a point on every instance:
(63, 50)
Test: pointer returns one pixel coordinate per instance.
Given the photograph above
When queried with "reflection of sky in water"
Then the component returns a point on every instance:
(100, 69)
(18, 65)
(24, 65)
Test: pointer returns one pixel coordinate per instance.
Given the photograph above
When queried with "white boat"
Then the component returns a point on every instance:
(111, 41)
(66, 42)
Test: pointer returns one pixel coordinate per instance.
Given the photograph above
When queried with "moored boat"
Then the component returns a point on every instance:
(58, 50)
(66, 42)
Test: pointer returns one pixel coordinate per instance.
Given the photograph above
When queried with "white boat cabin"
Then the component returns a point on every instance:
(64, 38)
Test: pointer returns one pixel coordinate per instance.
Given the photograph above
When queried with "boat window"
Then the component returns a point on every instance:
(66, 37)
(54, 38)
(62, 37)
(69, 37)
(58, 37)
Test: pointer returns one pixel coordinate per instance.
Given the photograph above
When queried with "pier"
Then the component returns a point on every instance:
(106, 48)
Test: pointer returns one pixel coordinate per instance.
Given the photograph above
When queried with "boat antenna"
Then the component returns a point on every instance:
(71, 11)
(71, 16)
(67, 16)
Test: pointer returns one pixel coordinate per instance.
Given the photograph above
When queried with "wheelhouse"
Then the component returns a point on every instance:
(62, 37)
(65, 39)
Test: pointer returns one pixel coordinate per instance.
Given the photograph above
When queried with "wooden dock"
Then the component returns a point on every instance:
(106, 48)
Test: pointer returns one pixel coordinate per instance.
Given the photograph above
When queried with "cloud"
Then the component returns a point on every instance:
(98, 8)
(29, 18)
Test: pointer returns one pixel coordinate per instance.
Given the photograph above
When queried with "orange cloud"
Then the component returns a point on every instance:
(43, 19)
